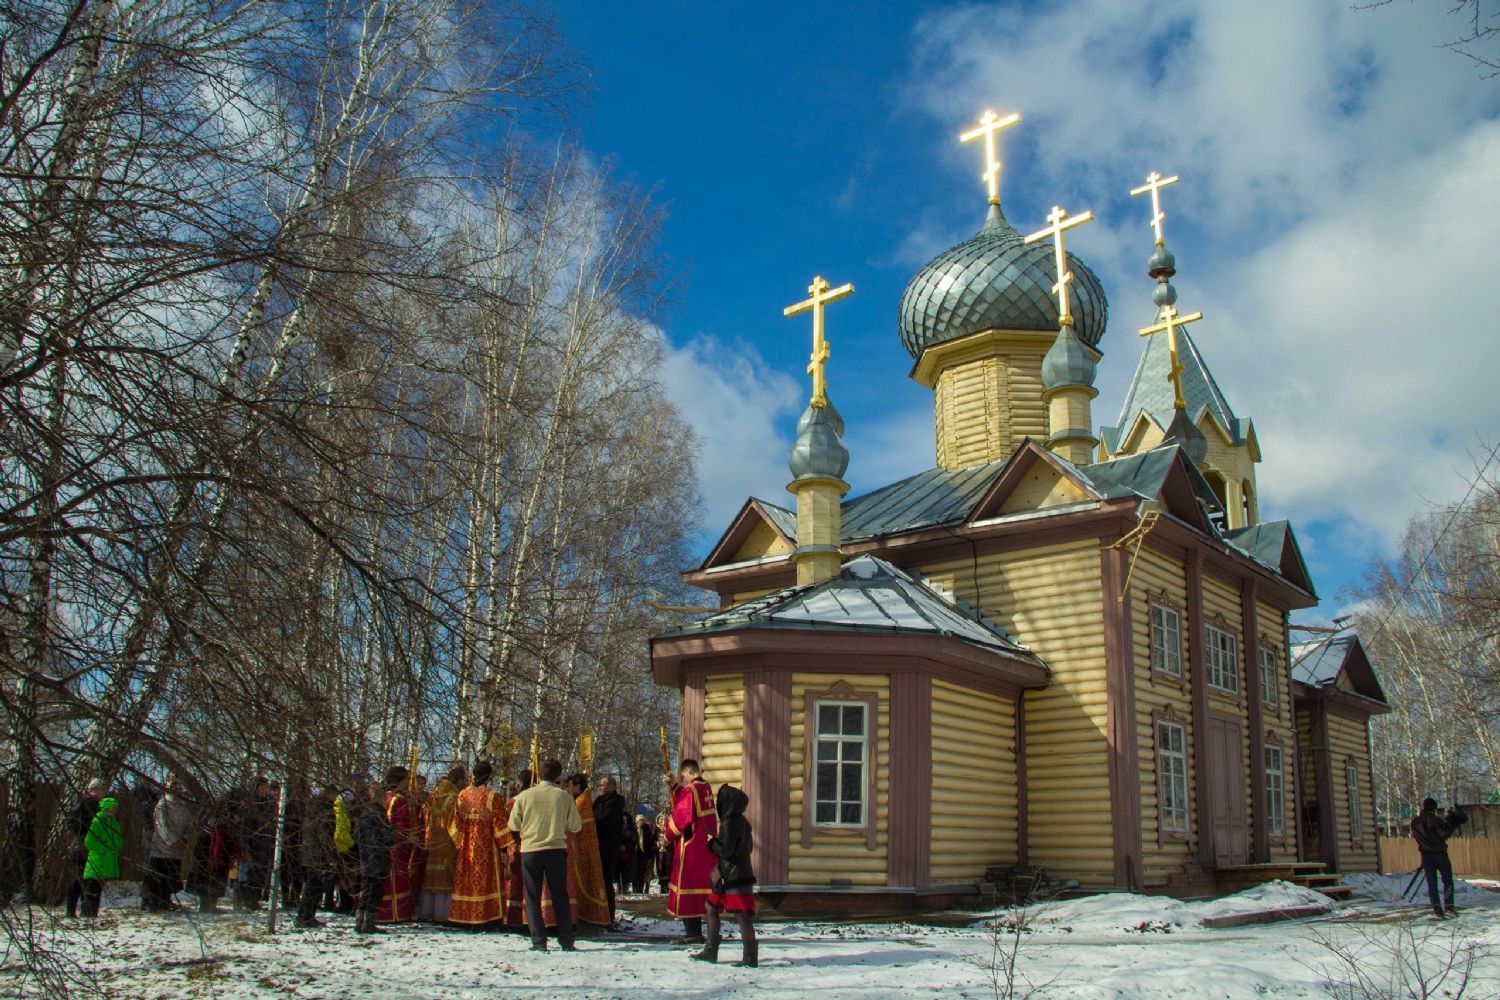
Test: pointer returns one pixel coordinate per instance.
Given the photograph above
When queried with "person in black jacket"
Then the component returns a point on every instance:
(316, 858)
(609, 826)
(733, 889)
(1431, 832)
(374, 836)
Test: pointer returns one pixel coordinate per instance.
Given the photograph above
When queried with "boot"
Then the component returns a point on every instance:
(750, 953)
(692, 931)
(710, 952)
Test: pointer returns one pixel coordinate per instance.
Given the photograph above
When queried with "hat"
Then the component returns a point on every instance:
(107, 802)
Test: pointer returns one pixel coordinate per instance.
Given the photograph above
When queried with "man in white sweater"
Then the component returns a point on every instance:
(542, 816)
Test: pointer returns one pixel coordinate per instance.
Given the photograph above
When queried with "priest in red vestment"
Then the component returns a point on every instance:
(481, 841)
(592, 900)
(399, 903)
(694, 819)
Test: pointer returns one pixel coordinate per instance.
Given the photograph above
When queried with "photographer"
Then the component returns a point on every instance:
(1431, 832)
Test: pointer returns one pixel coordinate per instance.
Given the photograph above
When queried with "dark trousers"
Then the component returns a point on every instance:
(371, 892)
(93, 889)
(161, 883)
(312, 894)
(611, 861)
(1434, 865)
(551, 866)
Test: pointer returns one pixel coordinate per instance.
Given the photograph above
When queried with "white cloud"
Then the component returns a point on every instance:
(1341, 184)
(738, 405)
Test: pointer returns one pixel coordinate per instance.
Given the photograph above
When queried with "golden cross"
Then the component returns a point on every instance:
(989, 124)
(1169, 324)
(820, 295)
(1154, 183)
(1061, 223)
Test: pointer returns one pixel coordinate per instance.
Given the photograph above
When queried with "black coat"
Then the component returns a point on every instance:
(374, 836)
(316, 852)
(1431, 831)
(734, 842)
(609, 823)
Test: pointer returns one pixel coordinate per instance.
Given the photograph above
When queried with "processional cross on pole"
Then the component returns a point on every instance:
(820, 294)
(989, 125)
(1061, 223)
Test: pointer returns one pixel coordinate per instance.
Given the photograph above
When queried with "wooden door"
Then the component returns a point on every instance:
(1226, 760)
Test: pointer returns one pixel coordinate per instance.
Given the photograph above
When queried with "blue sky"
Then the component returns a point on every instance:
(1341, 179)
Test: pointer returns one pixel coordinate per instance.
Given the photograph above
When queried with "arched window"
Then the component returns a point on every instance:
(1252, 512)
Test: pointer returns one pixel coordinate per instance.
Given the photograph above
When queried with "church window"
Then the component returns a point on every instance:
(1275, 792)
(1171, 776)
(1223, 656)
(1356, 821)
(1166, 640)
(841, 755)
(1270, 681)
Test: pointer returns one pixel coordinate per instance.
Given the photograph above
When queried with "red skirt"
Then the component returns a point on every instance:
(734, 901)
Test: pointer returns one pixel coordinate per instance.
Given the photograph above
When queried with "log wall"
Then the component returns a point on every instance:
(1050, 597)
(973, 783)
(722, 756)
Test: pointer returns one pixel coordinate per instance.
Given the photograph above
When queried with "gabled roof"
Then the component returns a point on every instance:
(1151, 391)
(754, 512)
(1321, 663)
(1272, 543)
(868, 596)
(1163, 473)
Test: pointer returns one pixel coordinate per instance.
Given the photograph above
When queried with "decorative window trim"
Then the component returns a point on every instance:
(1153, 603)
(1274, 746)
(1166, 833)
(1274, 674)
(1212, 649)
(1354, 813)
(840, 691)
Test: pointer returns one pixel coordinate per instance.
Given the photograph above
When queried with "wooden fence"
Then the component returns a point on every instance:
(1472, 856)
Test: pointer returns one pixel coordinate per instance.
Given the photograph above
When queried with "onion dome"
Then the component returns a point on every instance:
(1067, 362)
(994, 280)
(819, 452)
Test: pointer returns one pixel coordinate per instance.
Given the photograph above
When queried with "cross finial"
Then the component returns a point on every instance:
(1061, 223)
(819, 296)
(1169, 324)
(989, 124)
(1154, 183)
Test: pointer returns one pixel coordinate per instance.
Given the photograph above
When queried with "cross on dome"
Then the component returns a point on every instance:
(1061, 223)
(990, 124)
(1154, 183)
(819, 295)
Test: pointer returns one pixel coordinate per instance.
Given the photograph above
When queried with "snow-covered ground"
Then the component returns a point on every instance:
(1116, 946)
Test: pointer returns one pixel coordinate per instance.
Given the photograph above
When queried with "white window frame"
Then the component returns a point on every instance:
(841, 796)
(1172, 777)
(1270, 677)
(1351, 790)
(1275, 792)
(1166, 640)
(1221, 659)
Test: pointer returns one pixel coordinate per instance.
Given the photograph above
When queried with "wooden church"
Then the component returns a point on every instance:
(1057, 648)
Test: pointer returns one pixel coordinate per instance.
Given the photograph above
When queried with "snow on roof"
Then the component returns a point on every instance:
(1317, 663)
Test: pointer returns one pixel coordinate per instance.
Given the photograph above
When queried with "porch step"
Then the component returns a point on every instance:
(1308, 874)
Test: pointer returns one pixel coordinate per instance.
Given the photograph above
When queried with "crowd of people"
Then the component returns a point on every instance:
(543, 854)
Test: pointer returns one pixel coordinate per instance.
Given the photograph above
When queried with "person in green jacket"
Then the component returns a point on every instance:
(102, 842)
